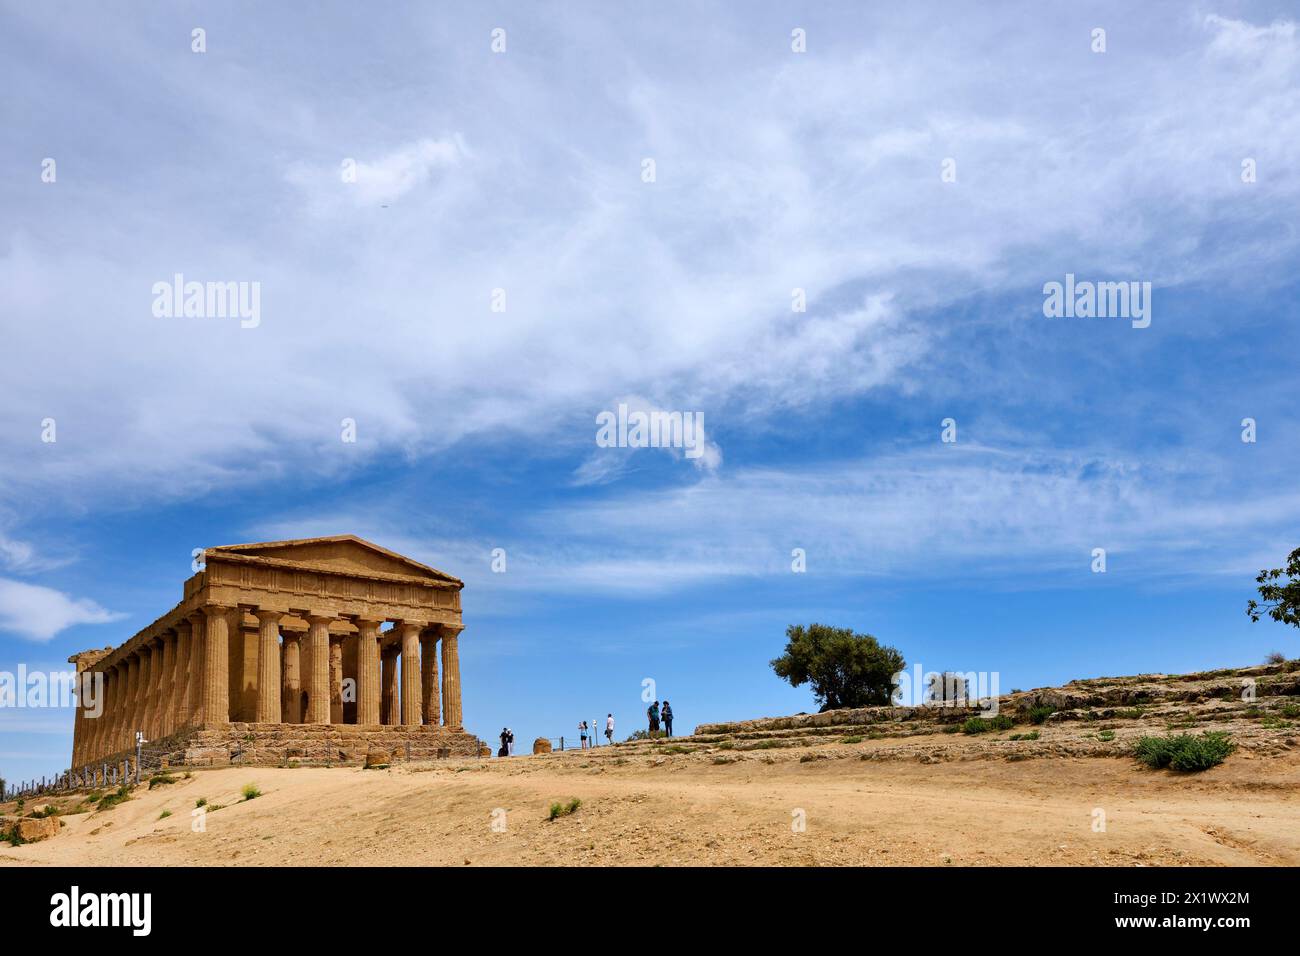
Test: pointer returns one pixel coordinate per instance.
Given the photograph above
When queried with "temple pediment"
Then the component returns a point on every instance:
(344, 553)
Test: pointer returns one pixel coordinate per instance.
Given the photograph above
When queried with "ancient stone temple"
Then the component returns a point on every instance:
(319, 649)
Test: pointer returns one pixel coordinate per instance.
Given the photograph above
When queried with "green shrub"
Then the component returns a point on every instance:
(164, 815)
(1040, 712)
(1291, 710)
(160, 780)
(1185, 752)
(1032, 735)
(563, 810)
(1106, 736)
(200, 802)
(852, 740)
(250, 791)
(1000, 722)
(975, 725)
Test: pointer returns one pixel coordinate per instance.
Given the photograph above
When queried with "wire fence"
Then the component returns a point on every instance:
(145, 763)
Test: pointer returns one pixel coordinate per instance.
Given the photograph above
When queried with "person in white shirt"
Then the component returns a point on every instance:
(609, 728)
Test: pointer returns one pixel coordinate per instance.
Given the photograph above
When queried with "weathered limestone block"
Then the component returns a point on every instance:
(541, 746)
(378, 758)
(32, 829)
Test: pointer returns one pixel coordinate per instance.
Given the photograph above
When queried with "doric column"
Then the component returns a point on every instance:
(167, 685)
(130, 704)
(198, 659)
(105, 722)
(291, 679)
(181, 677)
(108, 733)
(336, 679)
(390, 693)
(318, 674)
(116, 699)
(90, 726)
(451, 716)
(412, 711)
(79, 721)
(367, 672)
(268, 666)
(144, 692)
(430, 693)
(243, 668)
(216, 665)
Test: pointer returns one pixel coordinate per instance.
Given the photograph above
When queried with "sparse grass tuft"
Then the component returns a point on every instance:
(564, 809)
(161, 780)
(1032, 735)
(111, 799)
(164, 815)
(852, 740)
(1106, 736)
(200, 802)
(1184, 752)
(250, 791)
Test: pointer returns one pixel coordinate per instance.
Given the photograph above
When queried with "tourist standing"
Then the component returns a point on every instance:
(582, 734)
(505, 742)
(609, 727)
(667, 716)
(653, 713)
(510, 742)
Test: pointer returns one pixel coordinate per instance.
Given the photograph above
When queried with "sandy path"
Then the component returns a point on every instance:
(679, 810)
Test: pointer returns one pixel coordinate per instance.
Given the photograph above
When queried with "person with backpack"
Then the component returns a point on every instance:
(666, 715)
(505, 749)
(653, 713)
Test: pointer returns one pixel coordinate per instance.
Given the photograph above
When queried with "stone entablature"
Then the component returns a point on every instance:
(269, 632)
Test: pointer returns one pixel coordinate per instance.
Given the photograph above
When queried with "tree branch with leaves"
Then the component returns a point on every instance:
(1279, 592)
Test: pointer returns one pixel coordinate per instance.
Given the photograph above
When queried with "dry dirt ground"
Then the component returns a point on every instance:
(707, 808)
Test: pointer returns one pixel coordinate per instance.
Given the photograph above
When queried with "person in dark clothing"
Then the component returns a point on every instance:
(505, 743)
(653, 713)
(666, 715)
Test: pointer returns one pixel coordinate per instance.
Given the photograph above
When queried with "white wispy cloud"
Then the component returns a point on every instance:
(38, 613)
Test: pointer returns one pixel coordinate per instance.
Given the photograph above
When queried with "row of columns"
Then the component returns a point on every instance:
(182, 679)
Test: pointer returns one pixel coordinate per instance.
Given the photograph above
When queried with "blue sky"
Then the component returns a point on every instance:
(775, 170)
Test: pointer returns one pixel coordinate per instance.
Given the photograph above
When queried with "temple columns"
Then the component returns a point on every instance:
(318, 673)
(268, 666)
(367, 672)
(430, 692)
(216, 666)
(167, 684)
(291, 675)
(130, 703)
(181, 679)
(198, 661)
(336, 679)
(389, 692)
(144, 691)
(451, 715)
(410, 638)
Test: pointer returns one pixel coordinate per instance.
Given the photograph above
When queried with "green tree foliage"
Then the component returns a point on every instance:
(1279, 592)
(844, 669)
